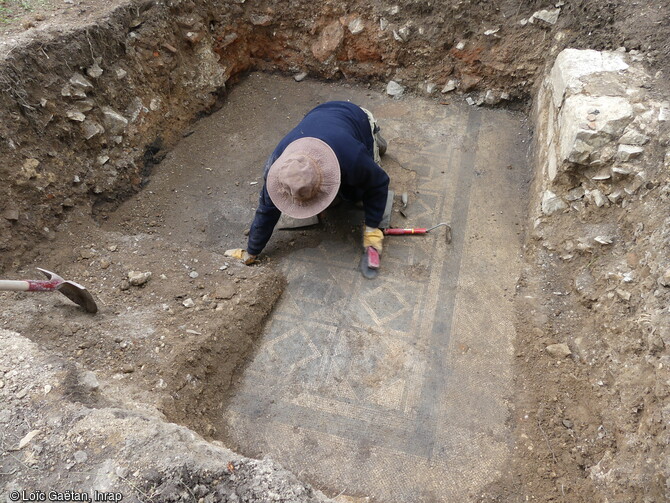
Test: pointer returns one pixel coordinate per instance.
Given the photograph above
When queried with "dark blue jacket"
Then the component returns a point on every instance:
(345, 127)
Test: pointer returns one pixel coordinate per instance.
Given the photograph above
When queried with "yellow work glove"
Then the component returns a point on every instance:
(373, 237)
(241, 254)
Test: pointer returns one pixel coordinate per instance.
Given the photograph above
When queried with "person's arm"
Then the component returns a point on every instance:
(375, 185)
(267, 216)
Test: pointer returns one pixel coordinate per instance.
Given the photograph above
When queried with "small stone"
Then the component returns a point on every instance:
(74, 115)
(121, 472)
(568, 424)
(664, 280)
(80, 456)
(261, 20)
(329, 40)
(460, 46)
(11, 214)
(22, 394)
(604, 240)
(551, 203)
(120, 73)
(491, 31)
(599, 198)
(193, 274)
(664, 114)
(194, 36)
(394, 89)
(188, 303)
(356, 26)
(90, 128)
(558, 350)
(403, 34)
(114, 122)
(634, 186)
(225, 292)
(29, 436)
(575, 194)
(136, 278)
(79, 81)
(603, 174)
(113, 247)
(128, 369)
(628, 152)
(84, 105)
(102, 159)
(470, 101)
(623, 294)
(105, 263)
(491, 97)
(546, 15)
(450, 86)
(89, 380)
(94, 71)
(299, 77)
(622, 170)
(633, 137)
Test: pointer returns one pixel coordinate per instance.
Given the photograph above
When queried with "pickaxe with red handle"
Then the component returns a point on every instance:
(419, 230)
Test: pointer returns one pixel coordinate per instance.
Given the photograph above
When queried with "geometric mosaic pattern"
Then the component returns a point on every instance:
(397, 388)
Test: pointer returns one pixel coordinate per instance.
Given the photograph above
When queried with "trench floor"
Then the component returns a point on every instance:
(397, 388)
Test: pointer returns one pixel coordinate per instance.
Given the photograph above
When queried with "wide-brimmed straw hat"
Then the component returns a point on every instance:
(305, 179)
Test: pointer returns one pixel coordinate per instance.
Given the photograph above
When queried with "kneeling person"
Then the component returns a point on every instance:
(333, 151)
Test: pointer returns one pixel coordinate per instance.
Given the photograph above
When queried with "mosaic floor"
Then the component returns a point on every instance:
(396, 388)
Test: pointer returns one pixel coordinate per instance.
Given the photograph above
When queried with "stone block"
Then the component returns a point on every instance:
(572, 65)
(578, 140)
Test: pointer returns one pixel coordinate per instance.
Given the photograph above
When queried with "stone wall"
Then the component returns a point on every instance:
(594, 119)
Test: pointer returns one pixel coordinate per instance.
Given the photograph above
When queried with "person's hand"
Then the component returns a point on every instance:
(241, 254)
(373, 237)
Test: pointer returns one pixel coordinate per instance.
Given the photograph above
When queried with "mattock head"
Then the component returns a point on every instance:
(51, 275)
(73, 291)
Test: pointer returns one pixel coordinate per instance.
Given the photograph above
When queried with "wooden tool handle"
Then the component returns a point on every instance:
(14, 285)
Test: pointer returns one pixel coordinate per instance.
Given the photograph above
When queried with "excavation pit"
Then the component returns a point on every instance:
(354, 381)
